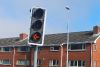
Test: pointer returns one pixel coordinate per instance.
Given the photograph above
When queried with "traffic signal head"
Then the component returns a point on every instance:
(36, 36)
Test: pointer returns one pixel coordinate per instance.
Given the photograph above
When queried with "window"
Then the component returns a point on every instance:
(94, 47)
(94, 64)
(22, 62)
(77, 63)
(23, 49)
(55, 48)
(53, 63)
(5, 49)
(39, 48)
(5, 62)
(38, 62)
(77, 47)
(73, 63)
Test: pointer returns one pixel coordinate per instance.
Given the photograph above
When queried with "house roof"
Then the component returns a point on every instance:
(74, 37)
(54, 39)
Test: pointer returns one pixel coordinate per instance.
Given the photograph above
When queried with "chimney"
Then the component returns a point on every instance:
(23, 36)
(96, 30)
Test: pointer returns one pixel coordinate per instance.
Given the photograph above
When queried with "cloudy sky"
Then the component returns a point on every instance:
(15, 15)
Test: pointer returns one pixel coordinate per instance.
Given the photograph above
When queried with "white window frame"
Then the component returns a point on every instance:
(53, 65)
(83, 48)
(38, 62)
(2, 49)
(94, 63)
(94, 47)
(82, 62)
(22, 62)
(5, 62)
(52, 48)
(19, 49)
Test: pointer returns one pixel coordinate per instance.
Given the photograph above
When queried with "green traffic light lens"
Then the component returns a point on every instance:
(38, 13)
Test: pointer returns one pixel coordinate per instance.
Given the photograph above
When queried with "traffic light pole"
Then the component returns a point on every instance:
(36, 36)
(35, 55)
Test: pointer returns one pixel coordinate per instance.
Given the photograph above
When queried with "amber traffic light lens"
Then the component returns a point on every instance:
(38, 13)
(37, 25)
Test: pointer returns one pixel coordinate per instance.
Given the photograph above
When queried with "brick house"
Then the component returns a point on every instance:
(84, 50)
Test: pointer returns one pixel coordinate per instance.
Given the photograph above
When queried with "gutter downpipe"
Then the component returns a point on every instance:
(61, 55)
(14, 57)
(91, 54)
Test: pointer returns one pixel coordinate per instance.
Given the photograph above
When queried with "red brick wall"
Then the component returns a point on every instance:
(96, 54)
(18, 55)
(23, 36)
(79, 55)
(45, 55)
(6, 55)
(22, 55)
(96, 29)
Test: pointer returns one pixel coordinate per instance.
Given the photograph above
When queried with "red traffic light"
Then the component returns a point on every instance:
(36, 37)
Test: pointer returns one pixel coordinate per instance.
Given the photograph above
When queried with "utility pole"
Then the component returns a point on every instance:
(67, 65)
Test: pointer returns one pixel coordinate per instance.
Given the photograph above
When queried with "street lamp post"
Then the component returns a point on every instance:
(67, 65)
